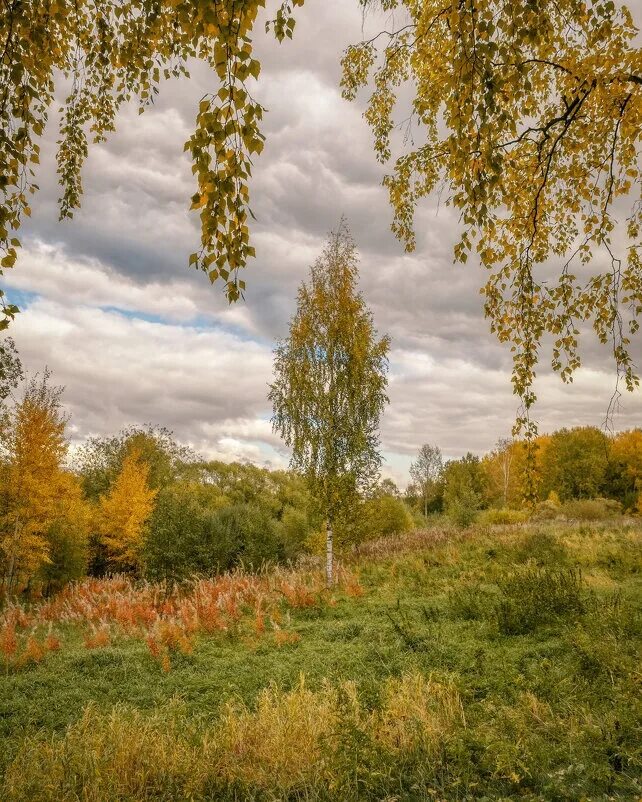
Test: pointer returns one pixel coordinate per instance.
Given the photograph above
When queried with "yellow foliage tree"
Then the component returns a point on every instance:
(627, 449)
(124, 511)
(33, 480)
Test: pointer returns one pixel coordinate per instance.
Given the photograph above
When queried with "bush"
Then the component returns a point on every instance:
(502, 516)
(247, 535)
(294, 531)
(387, 515)
(542, 548)
(462, 509)
(537, 596)
(594, 509)
(181, 539)
(545, 511)
(68, 555)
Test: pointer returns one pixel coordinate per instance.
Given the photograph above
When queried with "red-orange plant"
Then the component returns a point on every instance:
(97, 638)
(33, 652)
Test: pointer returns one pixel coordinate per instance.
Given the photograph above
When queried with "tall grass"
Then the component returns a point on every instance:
(289, 745)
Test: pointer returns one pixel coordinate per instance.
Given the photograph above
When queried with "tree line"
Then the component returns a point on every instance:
(571, 465)
(140, 502)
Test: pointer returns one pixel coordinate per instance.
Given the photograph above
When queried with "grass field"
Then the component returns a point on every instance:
(492, 664)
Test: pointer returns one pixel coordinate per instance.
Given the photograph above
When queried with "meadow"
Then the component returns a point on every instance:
(494, 662)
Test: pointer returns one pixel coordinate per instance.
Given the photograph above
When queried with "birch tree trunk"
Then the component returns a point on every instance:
(12, 558)
(329, 557)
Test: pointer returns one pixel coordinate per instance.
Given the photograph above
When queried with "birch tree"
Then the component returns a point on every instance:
(330, 379)
(426, 472)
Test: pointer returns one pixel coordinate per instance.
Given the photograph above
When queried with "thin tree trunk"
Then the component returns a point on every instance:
(12, 558)
(425, 506)
(329, 567)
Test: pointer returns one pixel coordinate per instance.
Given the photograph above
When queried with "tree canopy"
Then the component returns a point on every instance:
(529, 117)
(330, 380)
(112, 51)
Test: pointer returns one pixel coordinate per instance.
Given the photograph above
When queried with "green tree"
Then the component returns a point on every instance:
(330, 384)
(67, 536)
(575, 463)
(463, 489)
(181, 539)
(426, 472)
(99, 461)
(386, 514)
(247, 535)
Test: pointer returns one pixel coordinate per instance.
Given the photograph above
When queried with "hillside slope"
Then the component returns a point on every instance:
(488, 664)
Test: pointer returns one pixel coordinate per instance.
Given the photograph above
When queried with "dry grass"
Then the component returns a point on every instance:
(287, 743)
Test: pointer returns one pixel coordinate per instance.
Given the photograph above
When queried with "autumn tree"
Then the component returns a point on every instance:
(574, 463)
(426, 472)
(100, 459)
(330, 384)
(33, 483)
(625, 466)
(124, 511)
(529, 117)
(504, 472)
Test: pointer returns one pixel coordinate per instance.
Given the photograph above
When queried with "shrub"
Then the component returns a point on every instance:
(246, 534)
(542, 548)
(594, 509)
(68, 555)
(387, 515)
(294, 529)
(181, 539)
(502, 516)
(536, 596)
(462, 509)
(547, 510)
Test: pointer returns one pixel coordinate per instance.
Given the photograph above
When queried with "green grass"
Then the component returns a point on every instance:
(537, 629)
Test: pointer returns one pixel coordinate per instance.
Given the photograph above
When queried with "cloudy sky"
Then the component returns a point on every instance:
(136, 337)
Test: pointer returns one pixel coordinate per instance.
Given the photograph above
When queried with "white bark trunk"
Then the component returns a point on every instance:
(329, 567)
